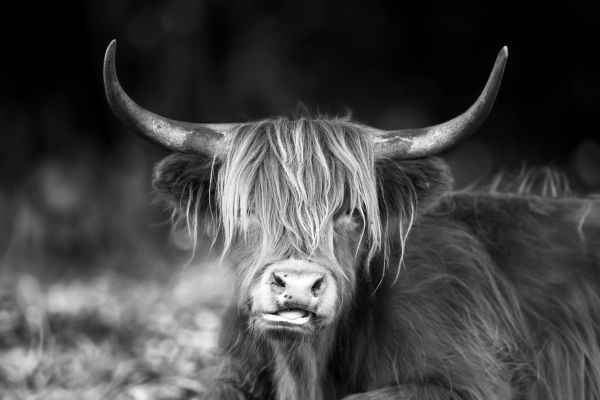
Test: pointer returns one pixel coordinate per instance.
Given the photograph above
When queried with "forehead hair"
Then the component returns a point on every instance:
(291, 178)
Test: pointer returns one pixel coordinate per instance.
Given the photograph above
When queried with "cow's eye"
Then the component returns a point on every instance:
(355, 215)
(349, 220)
(348, 212)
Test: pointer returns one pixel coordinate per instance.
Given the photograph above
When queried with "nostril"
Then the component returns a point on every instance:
(277, 281)
(316, 287)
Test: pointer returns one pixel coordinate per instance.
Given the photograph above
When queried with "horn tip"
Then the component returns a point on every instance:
(109, 68)
(111, 48)
(504, 51)
(109, 58)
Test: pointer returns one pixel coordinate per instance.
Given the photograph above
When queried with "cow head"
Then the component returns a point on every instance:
(305, 205)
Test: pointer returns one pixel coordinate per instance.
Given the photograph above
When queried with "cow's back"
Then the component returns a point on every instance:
(548, 250)
(545, 246)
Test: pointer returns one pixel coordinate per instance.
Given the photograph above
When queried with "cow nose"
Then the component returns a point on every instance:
(301, 287)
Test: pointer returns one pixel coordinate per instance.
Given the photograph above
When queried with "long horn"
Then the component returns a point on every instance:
(416, 143)
(170, 134)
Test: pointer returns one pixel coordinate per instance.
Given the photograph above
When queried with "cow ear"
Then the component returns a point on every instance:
(408, 186)
(183, 182)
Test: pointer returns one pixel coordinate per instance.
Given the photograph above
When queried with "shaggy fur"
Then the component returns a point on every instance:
(479, 294)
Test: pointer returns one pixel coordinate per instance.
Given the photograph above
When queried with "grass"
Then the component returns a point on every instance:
(109, 337)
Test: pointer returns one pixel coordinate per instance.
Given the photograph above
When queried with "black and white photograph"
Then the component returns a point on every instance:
(299, 200)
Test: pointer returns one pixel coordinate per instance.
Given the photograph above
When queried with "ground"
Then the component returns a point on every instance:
(109, 337)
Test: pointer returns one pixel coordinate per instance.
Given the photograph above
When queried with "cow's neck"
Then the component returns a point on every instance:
(300, 367)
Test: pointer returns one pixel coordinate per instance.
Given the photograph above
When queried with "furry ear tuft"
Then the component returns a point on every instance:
(407, 188)
(184, 183)
(420, 182)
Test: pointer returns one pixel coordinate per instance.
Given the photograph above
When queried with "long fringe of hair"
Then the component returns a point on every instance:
(292, 177)
(282, 182)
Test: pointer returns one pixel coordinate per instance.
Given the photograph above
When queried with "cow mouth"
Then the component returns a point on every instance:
(289, 316)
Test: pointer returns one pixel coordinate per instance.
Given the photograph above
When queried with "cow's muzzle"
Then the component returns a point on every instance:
(295, 294)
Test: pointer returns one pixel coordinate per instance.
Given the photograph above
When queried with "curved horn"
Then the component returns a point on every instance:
(170, 134)
(416, 143)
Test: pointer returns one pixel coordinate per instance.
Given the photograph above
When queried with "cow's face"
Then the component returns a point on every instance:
(300, 206)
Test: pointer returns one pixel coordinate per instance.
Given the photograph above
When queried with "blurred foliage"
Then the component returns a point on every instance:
(110, 338)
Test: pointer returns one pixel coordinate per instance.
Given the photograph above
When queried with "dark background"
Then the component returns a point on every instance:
(75, 184)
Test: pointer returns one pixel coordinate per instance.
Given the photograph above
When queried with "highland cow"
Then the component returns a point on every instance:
(360, 274)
